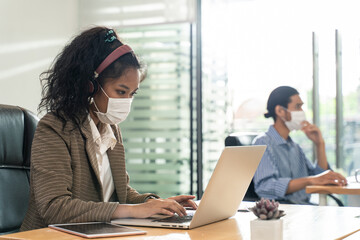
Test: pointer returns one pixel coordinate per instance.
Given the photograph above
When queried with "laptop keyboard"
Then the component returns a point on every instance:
(175, 219)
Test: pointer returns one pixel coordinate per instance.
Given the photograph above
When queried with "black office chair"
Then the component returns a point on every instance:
(244, 139)
(17, 128)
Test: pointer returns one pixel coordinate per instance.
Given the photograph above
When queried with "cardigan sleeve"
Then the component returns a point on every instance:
(134, 197)
(52, 181)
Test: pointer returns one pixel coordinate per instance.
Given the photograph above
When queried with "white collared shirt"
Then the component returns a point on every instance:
(104, 139)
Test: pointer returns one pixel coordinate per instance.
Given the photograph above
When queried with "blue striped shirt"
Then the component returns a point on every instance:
(282, 161)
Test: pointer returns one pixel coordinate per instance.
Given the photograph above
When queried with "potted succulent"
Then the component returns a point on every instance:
(268, 225)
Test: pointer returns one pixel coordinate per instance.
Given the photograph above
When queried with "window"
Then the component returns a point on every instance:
(269, 44)
(157, 132)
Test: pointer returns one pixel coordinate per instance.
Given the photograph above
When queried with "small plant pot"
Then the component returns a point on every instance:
(266, 229)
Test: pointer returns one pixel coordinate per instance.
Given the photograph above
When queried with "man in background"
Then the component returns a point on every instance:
(284, 170)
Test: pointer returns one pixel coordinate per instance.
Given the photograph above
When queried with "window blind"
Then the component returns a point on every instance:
(136, 12)
(157, 132)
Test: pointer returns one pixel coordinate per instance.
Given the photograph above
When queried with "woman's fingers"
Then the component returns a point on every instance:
(182, 198)
(185, 200)
(173, 206)
(165, 212)
(168, 206)
(190, 204)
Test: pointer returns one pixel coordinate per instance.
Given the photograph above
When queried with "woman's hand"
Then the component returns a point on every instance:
(149, 208)
(168, 206)
(185, 200)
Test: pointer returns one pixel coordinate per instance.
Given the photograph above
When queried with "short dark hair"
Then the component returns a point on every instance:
(66, 85)
(279, 96)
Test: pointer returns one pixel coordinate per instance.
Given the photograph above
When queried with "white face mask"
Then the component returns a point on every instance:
(117, 110)
(297, 117)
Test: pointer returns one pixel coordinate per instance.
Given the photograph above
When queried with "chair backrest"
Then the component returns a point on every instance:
(244, 139)
(17, 128)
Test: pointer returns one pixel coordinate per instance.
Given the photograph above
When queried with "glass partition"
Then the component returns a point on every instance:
(157, 132)
(269, 44)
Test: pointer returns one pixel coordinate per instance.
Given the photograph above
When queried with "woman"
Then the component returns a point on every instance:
(78, 164)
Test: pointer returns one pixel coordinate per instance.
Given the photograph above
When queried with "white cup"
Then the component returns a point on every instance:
(357, 172)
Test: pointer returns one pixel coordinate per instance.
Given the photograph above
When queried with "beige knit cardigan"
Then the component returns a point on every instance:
(64, 176)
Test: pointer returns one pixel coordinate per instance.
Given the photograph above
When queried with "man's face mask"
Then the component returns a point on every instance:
(117, 110)
(297, 117)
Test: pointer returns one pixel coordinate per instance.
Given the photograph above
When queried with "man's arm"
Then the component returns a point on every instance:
(328, 177)
(324, 178)
(314, 134)
(321, 155)
(297, 184)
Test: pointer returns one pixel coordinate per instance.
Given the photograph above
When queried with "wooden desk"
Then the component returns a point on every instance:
(300, 222)
(353, 188)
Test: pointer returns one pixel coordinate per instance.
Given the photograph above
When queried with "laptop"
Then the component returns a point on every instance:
(223, 194)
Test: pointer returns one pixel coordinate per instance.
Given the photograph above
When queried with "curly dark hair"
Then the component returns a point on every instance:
(66, 85)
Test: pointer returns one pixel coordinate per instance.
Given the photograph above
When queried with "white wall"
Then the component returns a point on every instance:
(32, 33)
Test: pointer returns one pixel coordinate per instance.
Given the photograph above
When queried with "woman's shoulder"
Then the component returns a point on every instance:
(50, 117)
(52, 121)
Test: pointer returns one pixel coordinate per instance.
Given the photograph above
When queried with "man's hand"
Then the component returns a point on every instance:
(328, 178)
(325, 178)
(312, 132)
